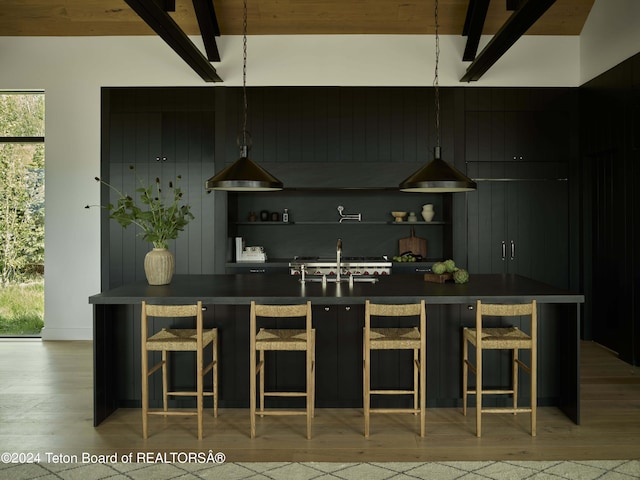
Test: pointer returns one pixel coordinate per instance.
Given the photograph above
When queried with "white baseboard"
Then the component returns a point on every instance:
(54, 333)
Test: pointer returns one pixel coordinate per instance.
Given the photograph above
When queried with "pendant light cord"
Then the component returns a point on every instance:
(244, 146)
(436, 83)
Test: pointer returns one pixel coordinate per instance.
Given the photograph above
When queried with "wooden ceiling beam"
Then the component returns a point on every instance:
(473, 25)
(516, 25)
(209, 28)
(161, 23)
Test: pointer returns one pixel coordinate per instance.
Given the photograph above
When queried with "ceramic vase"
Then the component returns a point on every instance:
(159, 265)
(427, 212)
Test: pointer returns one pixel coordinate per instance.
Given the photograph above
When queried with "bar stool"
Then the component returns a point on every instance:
(281, 339)
(173, 340)
(502, 338)
(413, 338)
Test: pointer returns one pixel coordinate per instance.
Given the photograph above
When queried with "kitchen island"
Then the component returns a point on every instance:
(338, 315)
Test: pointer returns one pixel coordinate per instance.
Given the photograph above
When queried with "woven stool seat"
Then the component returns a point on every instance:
(281, 339)
(498, 338)
(395, 338)
(176, 339)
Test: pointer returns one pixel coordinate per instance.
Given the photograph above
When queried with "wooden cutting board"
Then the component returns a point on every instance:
(416, 245)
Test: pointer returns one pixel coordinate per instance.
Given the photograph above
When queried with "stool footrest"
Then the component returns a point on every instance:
(392, 392)
(285, 394)
(173, 413)
(394, 410)
(490, 392)
(190, 394)
(281, 412)
(505, 410)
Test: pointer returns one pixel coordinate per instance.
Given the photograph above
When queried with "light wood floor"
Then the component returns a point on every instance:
(46, 406)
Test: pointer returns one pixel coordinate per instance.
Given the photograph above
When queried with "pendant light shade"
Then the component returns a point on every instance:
(437, 176)
(244, 175)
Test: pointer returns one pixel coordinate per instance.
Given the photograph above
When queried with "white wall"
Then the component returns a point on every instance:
(71, 71)
(610, 36)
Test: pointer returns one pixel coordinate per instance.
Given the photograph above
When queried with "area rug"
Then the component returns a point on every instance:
(203, 469)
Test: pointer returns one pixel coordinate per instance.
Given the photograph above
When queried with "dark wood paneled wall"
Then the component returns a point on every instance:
(610, 147)
(520, 144)
(162, 133)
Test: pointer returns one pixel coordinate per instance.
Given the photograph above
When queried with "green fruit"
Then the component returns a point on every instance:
(461, 276)
(450, 265)
(439, 268)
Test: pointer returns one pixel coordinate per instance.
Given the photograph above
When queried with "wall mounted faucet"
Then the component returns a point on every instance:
(348, 216)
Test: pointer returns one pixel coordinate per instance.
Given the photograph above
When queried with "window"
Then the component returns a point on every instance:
(21, 213)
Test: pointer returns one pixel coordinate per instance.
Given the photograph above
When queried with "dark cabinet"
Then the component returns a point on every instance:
(163, 134)
(536, 136)
(519, 144)
(518, 124)
(516, 136)
(520, 226)
(338, 355)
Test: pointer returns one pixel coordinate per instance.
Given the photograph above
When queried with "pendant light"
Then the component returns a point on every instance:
(437, 176)
(244, 174)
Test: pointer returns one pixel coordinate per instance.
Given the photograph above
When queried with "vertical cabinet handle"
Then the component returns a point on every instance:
(504, 250)
(513, 250)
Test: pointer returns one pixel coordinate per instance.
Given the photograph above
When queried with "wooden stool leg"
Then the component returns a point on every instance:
(261, 375)
(478, 390)
(534, 389)
(415, 378)
(165, 382)
(215, 376)
(423, 389)
(515, 367)
(313, 375)
(367, 387)
(465, 375)
(252, 390)
(309, 387)
(145, 393)
(199, 390)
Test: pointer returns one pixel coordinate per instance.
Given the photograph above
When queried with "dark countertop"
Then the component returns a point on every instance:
(240, 289)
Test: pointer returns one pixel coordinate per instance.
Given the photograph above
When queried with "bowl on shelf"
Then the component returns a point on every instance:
(399, 216)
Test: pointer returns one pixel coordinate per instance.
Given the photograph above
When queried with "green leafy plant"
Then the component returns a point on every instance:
(160, 214)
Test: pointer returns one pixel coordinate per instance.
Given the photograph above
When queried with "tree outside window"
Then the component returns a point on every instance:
(21, 212)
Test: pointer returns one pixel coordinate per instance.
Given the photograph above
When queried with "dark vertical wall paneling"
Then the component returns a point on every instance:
(352, 127)
(162, 133)
(518, 145)
(610, 156)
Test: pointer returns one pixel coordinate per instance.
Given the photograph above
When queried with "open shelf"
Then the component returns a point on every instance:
(320, 222)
